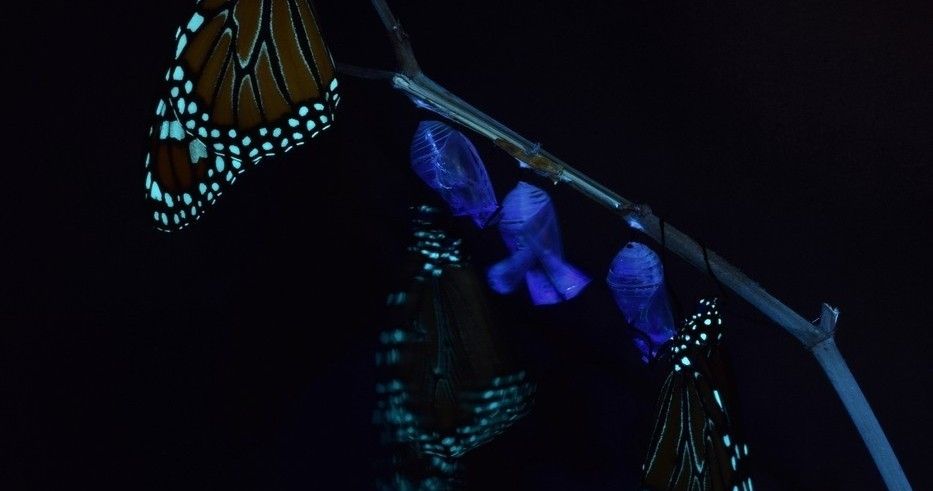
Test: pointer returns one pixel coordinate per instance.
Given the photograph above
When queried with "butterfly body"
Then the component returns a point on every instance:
(249, 79)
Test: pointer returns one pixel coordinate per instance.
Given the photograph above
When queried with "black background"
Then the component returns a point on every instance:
(791, 137)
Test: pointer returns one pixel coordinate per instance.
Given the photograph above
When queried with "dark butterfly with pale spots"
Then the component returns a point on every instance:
(694, 445)
(249, 79)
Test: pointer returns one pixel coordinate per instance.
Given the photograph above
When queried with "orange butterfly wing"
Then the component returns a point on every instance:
(249, 79)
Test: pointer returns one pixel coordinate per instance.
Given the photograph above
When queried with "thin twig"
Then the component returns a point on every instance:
(818, 339)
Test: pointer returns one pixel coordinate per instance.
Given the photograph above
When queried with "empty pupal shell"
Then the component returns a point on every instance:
(447, 162)
(530, 231)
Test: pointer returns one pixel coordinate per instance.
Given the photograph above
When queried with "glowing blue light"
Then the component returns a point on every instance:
(219, 164)
(195, 23)
(310, 125)
(303, 111)
(156, 192)
(176, 131)
(178, 74)
(186, 198)
(182, 42)
(718, 400)
(333, 84)
(196, 151)
(636, 280)
(202, 188)
(530, 231)
(448, 163)
(292, 122)
(160, 109)
(319, 106)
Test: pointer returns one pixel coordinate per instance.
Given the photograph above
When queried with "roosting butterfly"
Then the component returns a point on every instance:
(531, 233)
(636, 279)
(249, 79)
(694, 444)
(448, 385)
(447, 162)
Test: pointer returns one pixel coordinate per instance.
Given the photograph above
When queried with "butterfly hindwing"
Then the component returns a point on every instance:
(183, 174)
(249, 79)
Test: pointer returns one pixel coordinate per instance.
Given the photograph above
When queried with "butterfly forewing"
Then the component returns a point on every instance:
(249, 79)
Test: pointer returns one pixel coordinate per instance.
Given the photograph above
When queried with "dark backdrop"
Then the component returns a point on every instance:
(791, 137)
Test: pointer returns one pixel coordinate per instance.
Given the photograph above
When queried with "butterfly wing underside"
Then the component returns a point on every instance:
(694, 445)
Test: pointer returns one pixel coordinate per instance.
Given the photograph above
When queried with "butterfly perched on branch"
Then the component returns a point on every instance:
(694, 444)
(249, 79)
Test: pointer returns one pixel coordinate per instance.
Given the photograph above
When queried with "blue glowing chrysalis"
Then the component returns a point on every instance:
(531, 233)
(447, 162)
(636, 279)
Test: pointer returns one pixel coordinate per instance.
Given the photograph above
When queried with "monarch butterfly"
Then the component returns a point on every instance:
(249, 79)
(694, 445)
(448, 385)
